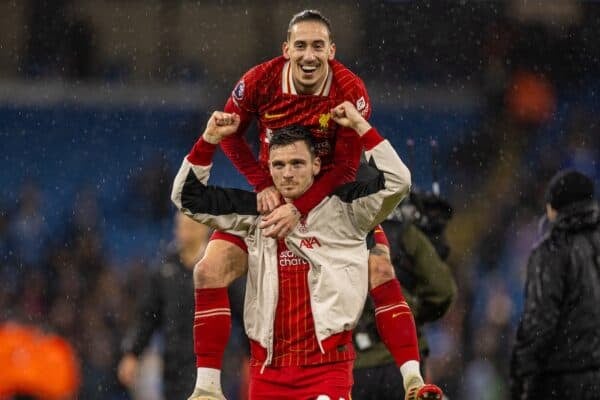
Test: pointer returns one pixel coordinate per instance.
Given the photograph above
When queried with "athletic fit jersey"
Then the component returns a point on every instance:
(295, 342)
(267, 93)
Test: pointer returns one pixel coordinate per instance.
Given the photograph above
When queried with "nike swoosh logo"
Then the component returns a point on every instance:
(397, 314)
(272, 116)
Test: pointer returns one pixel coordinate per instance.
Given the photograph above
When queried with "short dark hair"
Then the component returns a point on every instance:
(310, 15)
(292, 134)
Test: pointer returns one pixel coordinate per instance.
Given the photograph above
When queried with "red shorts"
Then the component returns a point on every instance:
(378, 236)
(311, 382)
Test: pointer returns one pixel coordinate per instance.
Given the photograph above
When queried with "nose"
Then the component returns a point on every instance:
(287, 172)
(309, 54)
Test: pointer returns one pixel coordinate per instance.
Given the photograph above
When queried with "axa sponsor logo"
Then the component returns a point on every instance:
(310, 243)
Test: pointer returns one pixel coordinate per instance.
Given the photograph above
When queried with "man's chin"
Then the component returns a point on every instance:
(307, 85)
(290, 194)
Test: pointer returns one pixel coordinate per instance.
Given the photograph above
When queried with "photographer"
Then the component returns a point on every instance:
(417, 250)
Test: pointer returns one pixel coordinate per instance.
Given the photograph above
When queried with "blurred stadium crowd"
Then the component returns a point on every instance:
(92, 134)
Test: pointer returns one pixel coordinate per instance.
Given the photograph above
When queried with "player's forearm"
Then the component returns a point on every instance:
(202, 152)
(239, 152)
(382, 196)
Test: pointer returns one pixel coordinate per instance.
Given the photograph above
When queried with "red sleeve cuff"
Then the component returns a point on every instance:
(380, 236)
(371, 138)
(202, 153)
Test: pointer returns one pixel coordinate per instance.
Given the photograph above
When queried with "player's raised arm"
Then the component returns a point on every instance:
(219, 125)
(346, 115)
(239, 152)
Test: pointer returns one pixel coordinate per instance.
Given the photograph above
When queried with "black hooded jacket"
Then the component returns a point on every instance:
(166, 303)
(559, 333)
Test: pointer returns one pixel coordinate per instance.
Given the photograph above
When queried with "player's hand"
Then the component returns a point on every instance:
(127, 370)
(424, 392)
(347, 115)
(280, 222)
(267, 200)
(219, 125)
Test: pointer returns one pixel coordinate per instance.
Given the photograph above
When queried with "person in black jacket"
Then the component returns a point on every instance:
(557, 350)
(167, 303)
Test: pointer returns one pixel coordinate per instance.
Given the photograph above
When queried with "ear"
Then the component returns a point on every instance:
(331, 51)
(285, 47)
(316, 166)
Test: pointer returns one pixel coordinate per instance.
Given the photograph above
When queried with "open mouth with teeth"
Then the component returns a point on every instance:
(308, 69)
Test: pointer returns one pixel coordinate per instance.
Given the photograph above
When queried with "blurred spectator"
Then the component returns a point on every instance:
(556, 352)
(427, 284)
(150, 190)
(27, 228)
(167, 304)
(60, 43)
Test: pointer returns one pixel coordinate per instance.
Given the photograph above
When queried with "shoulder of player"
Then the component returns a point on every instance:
(346, 80)
(268, 69)
(256, 81)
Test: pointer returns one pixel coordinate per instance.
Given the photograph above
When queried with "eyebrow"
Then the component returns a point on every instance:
(318, 41)
(292, 161)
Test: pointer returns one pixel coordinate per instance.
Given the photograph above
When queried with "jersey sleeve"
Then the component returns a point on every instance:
(239, 152)
(244, 102)
(245, 93)
(358, 96)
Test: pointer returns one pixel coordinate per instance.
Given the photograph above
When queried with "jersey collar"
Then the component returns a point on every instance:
(287, 83)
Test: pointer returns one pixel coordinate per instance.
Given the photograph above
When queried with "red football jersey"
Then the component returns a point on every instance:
(295, 342)
(267, 93)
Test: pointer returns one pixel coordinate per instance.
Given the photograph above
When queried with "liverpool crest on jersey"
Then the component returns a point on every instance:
(324, 121)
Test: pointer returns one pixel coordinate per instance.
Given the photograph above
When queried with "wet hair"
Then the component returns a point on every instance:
(310, 15)
(292, 134)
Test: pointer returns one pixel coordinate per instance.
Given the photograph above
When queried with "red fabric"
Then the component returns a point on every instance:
(259, 94)
(295, 341)
(228, 237)
(371, 138)
(427, 391)
(380, 237)
(302, 383)
(395, 322)
(240, 153)
(202, 153)
(212, 326)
